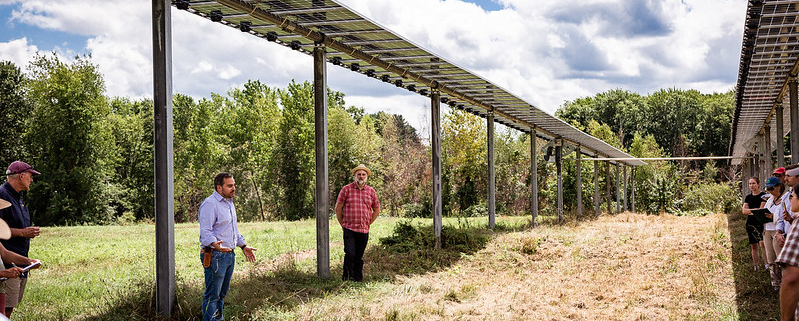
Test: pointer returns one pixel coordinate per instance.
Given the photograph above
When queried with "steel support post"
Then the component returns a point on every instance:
(533, 177)
(767, 151)
(618, 189)
(597, 200)
(626, 186)
(491, 172)
(780, 147)
(794, 112)
(579, 182)
(744, 178)
(164, 169)
(322, 183)
(607, 188)
(761, 147)
(559, 167)
(435, 142)
(632, 189)
(756, 165)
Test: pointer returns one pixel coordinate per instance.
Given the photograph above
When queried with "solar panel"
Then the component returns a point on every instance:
(768, 62)
(382, 54)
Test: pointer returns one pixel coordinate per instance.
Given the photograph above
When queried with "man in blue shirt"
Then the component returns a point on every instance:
(219, 235)
(19, 179)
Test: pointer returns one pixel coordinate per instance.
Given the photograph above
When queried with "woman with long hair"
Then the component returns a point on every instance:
(754, 229)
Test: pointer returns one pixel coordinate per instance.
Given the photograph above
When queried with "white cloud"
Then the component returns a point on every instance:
(17, 51)
(546, 52)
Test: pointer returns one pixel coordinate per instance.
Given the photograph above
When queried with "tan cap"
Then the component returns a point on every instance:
(361, 167)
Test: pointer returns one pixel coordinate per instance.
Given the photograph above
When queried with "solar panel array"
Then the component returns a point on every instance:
(354, 42)
(767, 64)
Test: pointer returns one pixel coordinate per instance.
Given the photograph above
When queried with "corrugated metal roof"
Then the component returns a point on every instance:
(768, 61)
(361, 45)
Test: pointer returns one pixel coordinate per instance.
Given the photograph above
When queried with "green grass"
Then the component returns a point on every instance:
(107, 272)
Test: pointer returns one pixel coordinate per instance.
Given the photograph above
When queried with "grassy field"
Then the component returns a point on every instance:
(622, 267)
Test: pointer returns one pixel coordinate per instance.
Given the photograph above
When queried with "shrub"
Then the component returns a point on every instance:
(702, 199)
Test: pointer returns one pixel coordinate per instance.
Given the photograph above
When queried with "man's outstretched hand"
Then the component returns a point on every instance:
(249, 253)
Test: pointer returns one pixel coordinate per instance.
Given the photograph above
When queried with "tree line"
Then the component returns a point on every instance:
(95, 152)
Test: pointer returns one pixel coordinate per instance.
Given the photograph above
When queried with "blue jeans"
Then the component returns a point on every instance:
(217, 282)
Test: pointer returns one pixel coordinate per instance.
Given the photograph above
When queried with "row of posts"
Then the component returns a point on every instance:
(164, 194)
(761, 164)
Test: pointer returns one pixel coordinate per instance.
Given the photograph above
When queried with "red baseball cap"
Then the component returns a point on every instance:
(20, 167)
(780, 170)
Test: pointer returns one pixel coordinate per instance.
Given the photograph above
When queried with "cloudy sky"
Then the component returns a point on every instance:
(545, 52)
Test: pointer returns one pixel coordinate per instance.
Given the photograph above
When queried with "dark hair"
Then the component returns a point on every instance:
(782, 188)
(756, 179)
(791, 166)
(795, 188)
(219, 180)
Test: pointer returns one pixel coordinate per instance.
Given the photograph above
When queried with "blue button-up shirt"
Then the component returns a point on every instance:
(218, 222)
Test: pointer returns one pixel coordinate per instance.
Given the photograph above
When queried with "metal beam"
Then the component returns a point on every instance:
(767, 150)
(794, 112)
(618, 190)
(596, 188)
(322, 183)
(607, 187)
(626, 186)
(780, 136)
(533, 177)
(164, 161)
(579, 183)
(559, 168)
(632, 188)
(435, 142)
(491, 172)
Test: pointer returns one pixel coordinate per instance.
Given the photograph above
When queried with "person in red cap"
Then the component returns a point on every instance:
(357, 208)
(19, 179)
(780, 173)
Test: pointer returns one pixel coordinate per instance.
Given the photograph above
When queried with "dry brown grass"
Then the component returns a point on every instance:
(623, 267)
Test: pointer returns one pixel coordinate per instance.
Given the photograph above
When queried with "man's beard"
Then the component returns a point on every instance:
(361, 182)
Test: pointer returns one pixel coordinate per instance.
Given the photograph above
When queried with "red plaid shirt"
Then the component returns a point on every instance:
(790, 252)
(358, 205)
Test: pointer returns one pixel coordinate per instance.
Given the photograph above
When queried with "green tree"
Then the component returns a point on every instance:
(132, 123)
(14, 110)
(70, 143)
(295, 151)
(464, 158)
(197, 152)
(246, 126)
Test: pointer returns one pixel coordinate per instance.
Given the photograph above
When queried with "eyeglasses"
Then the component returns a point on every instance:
(770, 188)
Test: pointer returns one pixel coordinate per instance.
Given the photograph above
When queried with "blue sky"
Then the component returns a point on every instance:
(546, 52)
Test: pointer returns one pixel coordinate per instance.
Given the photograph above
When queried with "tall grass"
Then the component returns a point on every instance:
(611, 268)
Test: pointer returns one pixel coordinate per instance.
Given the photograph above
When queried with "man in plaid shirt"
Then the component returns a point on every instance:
(357, 208)
(789, 259)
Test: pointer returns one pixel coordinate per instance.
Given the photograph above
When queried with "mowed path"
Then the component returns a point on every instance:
(622, 267)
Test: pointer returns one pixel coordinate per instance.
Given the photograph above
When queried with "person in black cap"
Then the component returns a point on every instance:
(19, 179)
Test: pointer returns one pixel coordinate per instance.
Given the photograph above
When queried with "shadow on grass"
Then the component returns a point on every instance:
(754, 296)
(277, 287)
(410, 249)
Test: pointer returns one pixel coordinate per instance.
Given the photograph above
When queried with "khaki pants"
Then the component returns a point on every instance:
(772, 248)
(15, 288)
